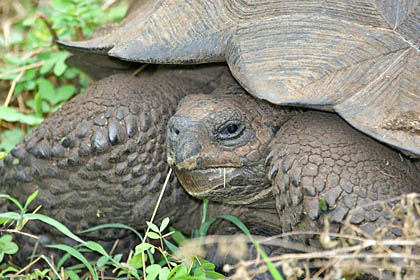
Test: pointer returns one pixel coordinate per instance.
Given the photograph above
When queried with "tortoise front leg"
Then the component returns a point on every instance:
(101, 159)
(319, 159)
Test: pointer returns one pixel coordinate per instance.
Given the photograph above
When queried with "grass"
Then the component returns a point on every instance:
(349, 254)
(34, 78)
(35, 81)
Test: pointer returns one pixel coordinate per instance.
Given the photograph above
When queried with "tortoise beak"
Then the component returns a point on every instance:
(184, 143)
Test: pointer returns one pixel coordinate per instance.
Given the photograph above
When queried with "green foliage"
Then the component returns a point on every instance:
(36, 68)
(323, 205)
(10, 138)
(7, 246)
(137, 266)
(234, 220)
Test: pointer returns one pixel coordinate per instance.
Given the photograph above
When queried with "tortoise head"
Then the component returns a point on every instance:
(217, 145)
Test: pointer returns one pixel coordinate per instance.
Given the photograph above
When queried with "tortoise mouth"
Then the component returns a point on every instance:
(200, 182)
(232, 185)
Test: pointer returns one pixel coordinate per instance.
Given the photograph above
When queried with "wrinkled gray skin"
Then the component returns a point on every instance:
(101, 159)
(237, 150)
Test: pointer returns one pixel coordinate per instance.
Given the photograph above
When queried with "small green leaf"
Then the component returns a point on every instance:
(199, 271)
(62, 228)
(116, 13)
(72, 275)
(143, 247)
(30, 198)
(171, 246)
(153, 226)
(2, 155)
(96, 247)
(208, 266)
(76, 254)
(30, 74)
(64, 93)
(137, 261)
(323, 205)
(9, 139)
(7, 270)
(10, 248)
(38, 105)
(153, 235)
(177, 236)
(102, 261)
(11, 115)
(164, 224)
(4, 220)
(164, 273)
(178, 272)
(60, 65)
(152, 271)
(45, 89)
(117, 258)
(62, 5)
(215, 275)
(6, 239)
(48, 65)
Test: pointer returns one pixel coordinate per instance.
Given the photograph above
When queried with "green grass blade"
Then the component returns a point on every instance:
(204, 218)
(12, 200)
(122, 226)
(59, 226)
(205, 227)
(271, 268)
(94, 246)
(10, 215)
(76, 254)
(29, 200)
(171, 246)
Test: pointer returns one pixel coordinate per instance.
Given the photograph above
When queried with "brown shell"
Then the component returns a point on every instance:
(359, 58)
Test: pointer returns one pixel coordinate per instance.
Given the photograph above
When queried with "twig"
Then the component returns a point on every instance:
(49, 26)
(6, 32)
(12, 89)
(19, 232)
(158, 202)
(114, 246)
(23, 68)
(153, 216)
(107, 4)
(35, 261)
(141, 68)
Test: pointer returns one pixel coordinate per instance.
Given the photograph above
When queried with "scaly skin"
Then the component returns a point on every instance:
(313, 156)
(101, 158)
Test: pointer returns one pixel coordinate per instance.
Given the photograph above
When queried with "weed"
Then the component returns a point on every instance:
(33, 71)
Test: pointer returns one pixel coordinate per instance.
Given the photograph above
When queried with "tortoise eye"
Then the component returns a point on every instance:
(230, 130)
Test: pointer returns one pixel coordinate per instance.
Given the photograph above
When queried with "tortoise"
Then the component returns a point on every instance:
(101, 159)
(358, 58)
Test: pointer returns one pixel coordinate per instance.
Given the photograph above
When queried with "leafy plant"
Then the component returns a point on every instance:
(35, 69)
(137, 265)
(7, 246)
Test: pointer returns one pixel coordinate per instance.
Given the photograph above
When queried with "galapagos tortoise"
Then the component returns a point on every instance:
(101, 159)
(358, 58)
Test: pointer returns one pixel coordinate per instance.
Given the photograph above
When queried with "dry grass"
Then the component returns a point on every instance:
(349, 254)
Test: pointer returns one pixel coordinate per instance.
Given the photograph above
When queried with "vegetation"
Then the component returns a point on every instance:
(34, 78)
(35, 81)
